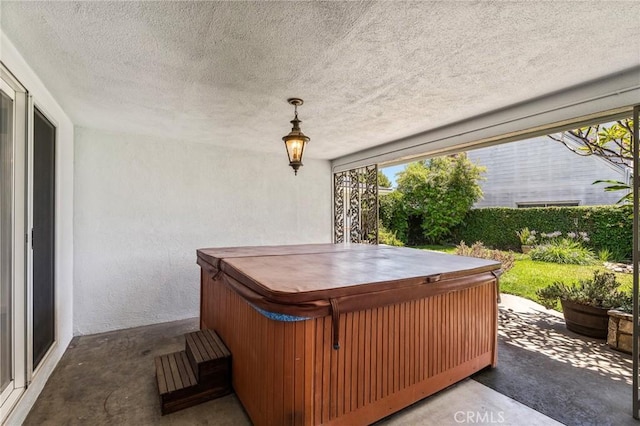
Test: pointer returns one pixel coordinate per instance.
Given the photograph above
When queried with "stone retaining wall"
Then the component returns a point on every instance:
(620, 331)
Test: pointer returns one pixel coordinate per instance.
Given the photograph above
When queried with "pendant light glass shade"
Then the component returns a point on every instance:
(295, 141)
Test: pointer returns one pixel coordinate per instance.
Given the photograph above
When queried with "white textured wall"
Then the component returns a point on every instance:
(143, 206)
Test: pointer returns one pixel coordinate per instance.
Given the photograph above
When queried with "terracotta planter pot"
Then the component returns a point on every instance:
(586, 320)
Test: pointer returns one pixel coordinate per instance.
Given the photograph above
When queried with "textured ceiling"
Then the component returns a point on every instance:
(369, 72)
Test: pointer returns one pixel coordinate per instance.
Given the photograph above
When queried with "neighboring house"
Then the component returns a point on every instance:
(541, 172)
(383, 190)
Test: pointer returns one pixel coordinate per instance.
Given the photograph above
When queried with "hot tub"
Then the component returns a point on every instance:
(346, 334)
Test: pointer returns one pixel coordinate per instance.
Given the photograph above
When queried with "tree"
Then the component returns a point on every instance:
(439, 192)
(393, 215)
(612, 143)
(383, 180)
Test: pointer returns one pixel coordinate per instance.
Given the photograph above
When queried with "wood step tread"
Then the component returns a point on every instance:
(178, 386)
(196, 396)
(205, 345)
(174, 372)
(199, 373)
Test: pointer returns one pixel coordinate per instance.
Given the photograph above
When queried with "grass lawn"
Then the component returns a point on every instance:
(528, 275)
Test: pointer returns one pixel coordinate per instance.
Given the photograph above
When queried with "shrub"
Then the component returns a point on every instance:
(608, 226)
(527, 237)
(387, 237)
(393, 214)
(626, 304)
(601, 291)
(563, 250)
(479, 250)
(605, 255)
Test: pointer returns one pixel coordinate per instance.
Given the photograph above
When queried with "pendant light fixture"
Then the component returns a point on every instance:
(295, 141)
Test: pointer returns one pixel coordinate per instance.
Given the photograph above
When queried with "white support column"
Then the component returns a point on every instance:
(636, 256)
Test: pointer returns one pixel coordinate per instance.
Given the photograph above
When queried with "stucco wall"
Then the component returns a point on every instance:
(143, 206)
(542, 170)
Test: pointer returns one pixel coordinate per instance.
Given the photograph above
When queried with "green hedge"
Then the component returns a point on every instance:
(609, 227)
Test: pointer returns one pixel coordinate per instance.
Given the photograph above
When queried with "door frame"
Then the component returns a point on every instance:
(20, 240)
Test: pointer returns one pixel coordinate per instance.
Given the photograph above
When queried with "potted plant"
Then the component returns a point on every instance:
(585, 305)
(527, 239)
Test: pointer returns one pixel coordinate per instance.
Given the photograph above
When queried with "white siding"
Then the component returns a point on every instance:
(542, 170)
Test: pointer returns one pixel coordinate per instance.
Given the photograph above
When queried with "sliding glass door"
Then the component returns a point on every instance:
(7, 142)
(13, 245)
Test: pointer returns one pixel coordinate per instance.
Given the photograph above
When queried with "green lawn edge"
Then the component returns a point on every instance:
(527, 276)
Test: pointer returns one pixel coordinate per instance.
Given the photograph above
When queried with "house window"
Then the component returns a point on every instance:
(530, 204)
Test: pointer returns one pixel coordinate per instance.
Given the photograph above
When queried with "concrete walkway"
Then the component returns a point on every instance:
(543, 372)
(570, 378)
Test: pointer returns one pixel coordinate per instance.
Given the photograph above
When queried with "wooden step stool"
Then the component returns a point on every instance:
(200, 373)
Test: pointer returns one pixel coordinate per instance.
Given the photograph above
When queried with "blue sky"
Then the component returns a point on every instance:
(390, 172)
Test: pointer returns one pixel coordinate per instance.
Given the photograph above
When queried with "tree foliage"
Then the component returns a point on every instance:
(393, 214)
(387, 237)
(383, 180)
(435, 193)
(612, 143)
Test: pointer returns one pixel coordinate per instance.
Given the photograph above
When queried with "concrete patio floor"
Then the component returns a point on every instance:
(573, 379)
(543, 372)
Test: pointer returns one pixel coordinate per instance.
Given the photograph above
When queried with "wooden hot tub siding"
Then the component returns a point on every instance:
(286, 373)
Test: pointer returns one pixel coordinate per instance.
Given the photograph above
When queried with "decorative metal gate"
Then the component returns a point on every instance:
(355, 205)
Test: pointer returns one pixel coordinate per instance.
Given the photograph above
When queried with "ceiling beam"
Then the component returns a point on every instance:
(598, 100)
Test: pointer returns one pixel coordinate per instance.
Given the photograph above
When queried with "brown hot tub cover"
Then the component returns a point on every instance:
(327, 279)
